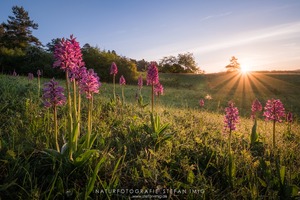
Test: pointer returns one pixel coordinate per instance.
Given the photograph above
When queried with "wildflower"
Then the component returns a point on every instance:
(67, 54)
(274, 110)
(231, 117)
(208, 97)
(78, 74)
(201, 102)
(140, 82)
(90, 83)
(122, 80)
(289, 117)
(152, 74)
(53, 94)
(113, 69)
(39, 73)
(14, 73)
(138, 94)
(152, 79)
(30, 76)
(256, 106)
(158, 89)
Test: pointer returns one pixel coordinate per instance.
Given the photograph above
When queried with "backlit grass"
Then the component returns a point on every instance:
(194, 160)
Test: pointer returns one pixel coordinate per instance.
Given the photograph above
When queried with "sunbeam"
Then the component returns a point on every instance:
(243, 88)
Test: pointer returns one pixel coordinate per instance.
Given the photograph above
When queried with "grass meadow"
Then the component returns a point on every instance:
(182, 153)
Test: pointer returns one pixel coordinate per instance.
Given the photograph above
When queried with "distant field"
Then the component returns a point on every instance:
(187, 89)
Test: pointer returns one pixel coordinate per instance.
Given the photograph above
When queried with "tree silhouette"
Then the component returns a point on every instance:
(234, 65)
(16, 40)
(17, 32)
(183, 63)
(101, 60)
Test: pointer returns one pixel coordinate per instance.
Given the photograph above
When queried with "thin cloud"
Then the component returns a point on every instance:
(279, 32)
(215, 16)
(282, 31)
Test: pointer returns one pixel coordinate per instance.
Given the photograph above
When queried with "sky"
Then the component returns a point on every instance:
(262, 34)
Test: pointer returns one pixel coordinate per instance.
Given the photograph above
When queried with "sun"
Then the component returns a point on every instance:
(245, 69)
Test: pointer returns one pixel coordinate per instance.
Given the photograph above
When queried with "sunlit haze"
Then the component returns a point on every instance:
(263, 35)
(245, 69)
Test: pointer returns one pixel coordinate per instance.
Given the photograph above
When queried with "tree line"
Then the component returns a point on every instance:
(22, 52)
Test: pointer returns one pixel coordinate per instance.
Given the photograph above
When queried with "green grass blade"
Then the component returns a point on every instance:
(92, 179)
(84, 157)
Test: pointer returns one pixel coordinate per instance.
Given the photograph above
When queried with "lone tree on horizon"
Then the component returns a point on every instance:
(234, 65)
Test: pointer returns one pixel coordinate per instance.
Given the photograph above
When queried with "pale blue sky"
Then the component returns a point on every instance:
(262, 34)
